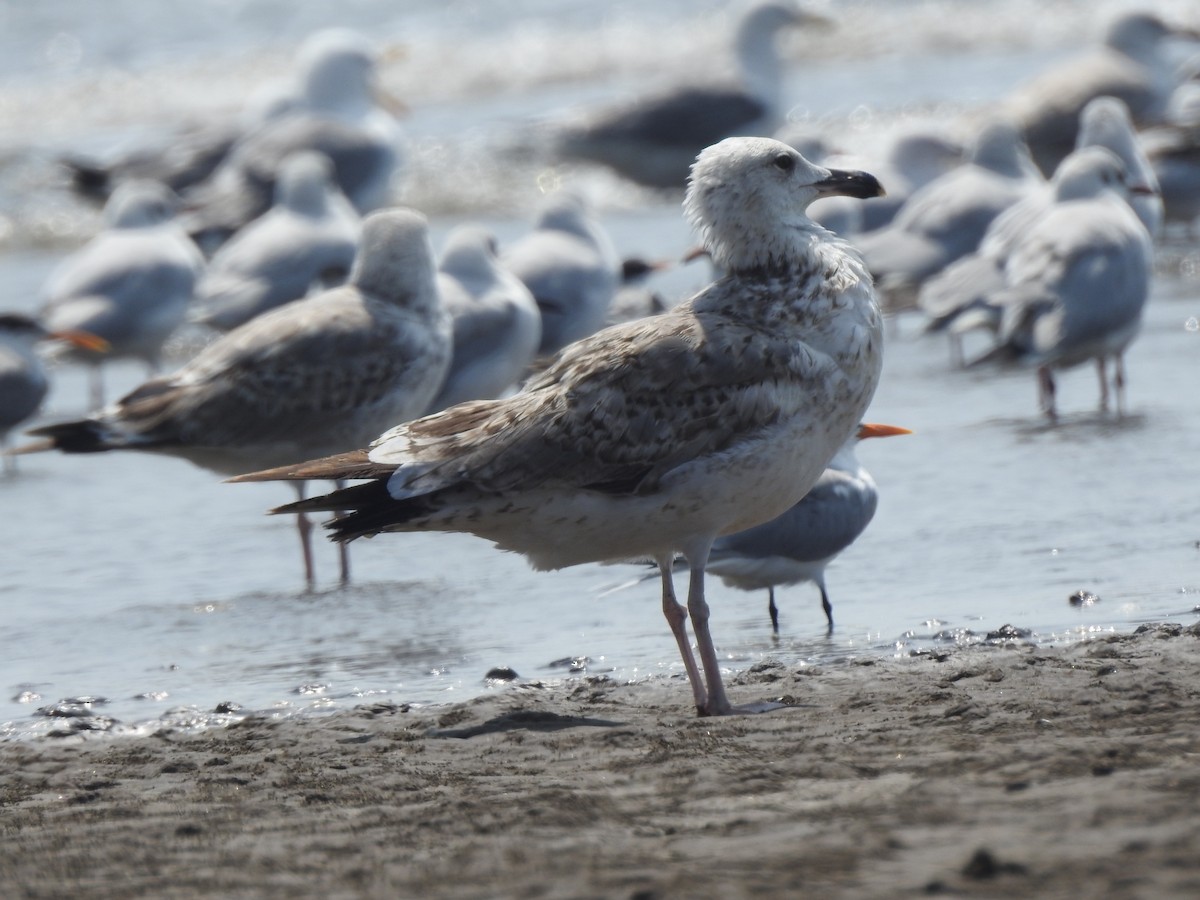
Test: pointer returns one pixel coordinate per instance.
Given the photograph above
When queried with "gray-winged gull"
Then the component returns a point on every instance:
(570, 266)
(1135, 63)
(1078, 280)
(343, 118)
(798, 546)
(308, 238)
(947, 218)
(655, 139)
(958, 297)
(23, 379)
(654, 437)
(319, 375)
(497, 324)
(130, 285)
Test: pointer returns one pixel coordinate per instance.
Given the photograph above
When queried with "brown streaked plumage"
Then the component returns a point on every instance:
(653, 437)
(318, 375)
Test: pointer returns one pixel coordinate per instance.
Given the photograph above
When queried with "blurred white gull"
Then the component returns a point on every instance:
(309, 237)
(959, 295)
(947, 218)
(911, 161)
(654, 140)
(654, 437)
(345, 117)
(1135, 63)
(193, 152)
(798, 546)
(570, 266)
(23, 379)
(319, 375)
(497, 324)
(1078, 280)
(1105, 122)
(130, 285)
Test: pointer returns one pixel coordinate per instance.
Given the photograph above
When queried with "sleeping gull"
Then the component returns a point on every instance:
(318, 375)
(797, 546)
(23, 381)
(1077, 282)
(570, 266)
(309, 237)
(130, 285)
(1135, 63)
(653, 437)
(497, 325)
(344, 118)
(947, 218)
(654, 140)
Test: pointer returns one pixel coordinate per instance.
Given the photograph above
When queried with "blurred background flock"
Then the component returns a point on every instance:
(171, 173)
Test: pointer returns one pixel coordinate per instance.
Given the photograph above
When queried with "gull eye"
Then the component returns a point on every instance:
(785, 161)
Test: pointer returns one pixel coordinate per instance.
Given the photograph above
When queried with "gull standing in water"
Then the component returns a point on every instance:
(570, 266)
(947, 218)
(798, 545)
(497, 324)
(1077, 282)
(959, 297)
(309, 237)
(23, 381)
(130, 285)
(654, 437)
(318, 375)
(654, 140)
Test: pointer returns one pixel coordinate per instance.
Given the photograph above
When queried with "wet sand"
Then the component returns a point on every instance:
(982, 771)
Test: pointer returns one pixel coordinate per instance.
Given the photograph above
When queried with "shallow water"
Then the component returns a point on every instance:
(146, 582)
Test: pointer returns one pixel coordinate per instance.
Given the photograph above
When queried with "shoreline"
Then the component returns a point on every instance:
(980, 771)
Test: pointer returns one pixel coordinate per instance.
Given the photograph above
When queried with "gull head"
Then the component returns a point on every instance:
(747, 198)
(1090, 171)
(395, 259)
(140, 203)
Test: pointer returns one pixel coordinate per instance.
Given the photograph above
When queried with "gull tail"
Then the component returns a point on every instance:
(372, 510)
(83, 436)
(349, 466)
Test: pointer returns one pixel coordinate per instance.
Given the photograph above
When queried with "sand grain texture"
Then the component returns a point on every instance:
(981, 772)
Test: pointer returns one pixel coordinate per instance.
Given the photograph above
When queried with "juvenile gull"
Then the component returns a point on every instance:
(23, 380)
(797, 546)
(653, 437)
(654, 140)
(130, 285)
(1077, 282)
(319, 375)
(497, 324)
(570, 266)
(309, 237)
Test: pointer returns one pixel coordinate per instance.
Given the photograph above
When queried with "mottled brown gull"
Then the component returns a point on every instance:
(315, 376)
(653, 437)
